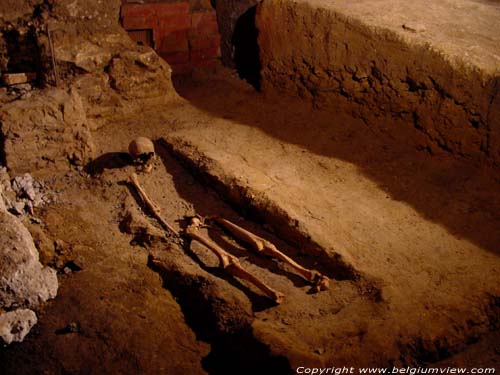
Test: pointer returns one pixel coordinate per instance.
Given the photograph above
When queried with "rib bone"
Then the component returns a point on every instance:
(319, 281)
(229, 262)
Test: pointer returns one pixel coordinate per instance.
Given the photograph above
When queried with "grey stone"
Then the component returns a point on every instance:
(24, 186)
(26, 193)
(17, 207)
(23, 279)
(15, 325)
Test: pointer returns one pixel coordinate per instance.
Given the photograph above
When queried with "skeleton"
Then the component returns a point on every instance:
(142, 151)
(319, 281)
(229, 262)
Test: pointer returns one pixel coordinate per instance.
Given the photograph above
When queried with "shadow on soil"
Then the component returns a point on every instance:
(110, 160)
(234, 349)
(443, 188)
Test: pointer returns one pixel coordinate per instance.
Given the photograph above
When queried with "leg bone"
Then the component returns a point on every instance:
(150, 204)
(230, 263)
(319, 281)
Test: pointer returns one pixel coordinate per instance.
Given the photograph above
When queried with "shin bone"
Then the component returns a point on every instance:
(319, 281)
(229, 262)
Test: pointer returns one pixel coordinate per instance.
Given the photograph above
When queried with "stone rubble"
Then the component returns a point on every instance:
(20, 91)
(23, 193)
(15, 325)
(24, 281)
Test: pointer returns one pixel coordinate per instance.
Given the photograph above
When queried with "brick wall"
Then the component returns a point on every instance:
(184, 32)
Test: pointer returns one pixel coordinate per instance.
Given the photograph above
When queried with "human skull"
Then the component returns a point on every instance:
(142, 151)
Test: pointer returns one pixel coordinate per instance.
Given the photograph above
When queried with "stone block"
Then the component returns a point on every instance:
(15, 325)
(17, 78)
(24, 281)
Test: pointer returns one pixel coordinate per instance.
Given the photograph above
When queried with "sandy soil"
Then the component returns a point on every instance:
(409, 239)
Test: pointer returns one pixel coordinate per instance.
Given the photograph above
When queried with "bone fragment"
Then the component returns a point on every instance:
(150, 204)
(319, 281)
(229, 262)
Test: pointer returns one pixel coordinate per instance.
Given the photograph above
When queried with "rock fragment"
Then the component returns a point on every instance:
(15, 325)
(24, 282)
(24, 194)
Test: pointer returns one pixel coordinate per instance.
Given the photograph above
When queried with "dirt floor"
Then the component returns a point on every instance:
(408, 238)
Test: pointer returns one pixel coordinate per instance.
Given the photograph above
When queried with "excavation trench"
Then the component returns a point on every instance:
(246, 330)
(216, 317)
(249, 203)
(221, 309)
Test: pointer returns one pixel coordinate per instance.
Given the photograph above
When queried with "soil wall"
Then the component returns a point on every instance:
(88, 73)
(311, 50)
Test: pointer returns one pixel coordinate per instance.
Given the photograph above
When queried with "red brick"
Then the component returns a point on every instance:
(204, 23)
(175, 57)
(200, 5)
(169, 16)
(137, 10)
(174, 41)
(181, 69)
(173, 22)
(199, 42)
(209, 64)
(134, 23)
(204, 54)
(169, 9)
(200, 18)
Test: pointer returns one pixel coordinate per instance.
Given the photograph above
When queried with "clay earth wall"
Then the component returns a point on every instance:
(391, 78)
(93, 73)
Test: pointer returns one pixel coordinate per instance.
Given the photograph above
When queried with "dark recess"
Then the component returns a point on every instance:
(21, 53)
(246, 48)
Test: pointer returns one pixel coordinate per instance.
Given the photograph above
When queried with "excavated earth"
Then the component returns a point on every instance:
(434, 65)
(403, 219)
(409, 240)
